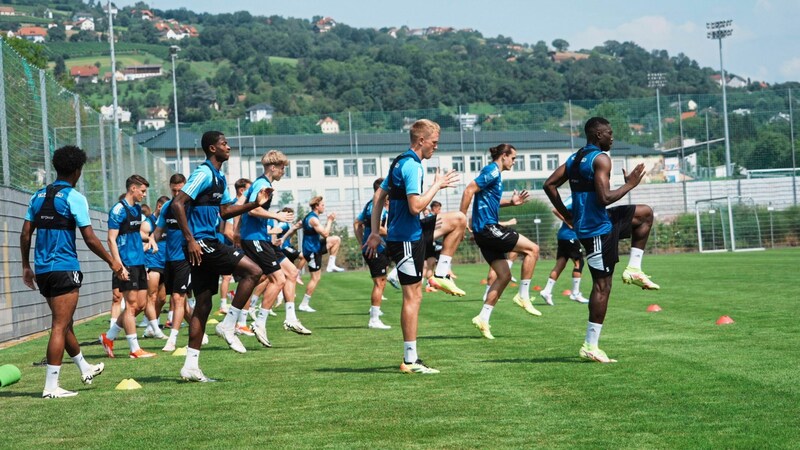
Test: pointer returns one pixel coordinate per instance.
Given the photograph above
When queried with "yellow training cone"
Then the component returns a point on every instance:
(179, 352)
(212, 322)
(128, 384)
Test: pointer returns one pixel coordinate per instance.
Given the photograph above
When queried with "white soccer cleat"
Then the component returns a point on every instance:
(205, 339)
(230, 338)
(394, 282)
(376, 324)
(169, 347)
(296, 327)
(548, 298)
(93, 371)
(579, 298)
(149, 333)
(334, 269)
(306, 308)
(261, 335)
(195, 375)
(58, 393)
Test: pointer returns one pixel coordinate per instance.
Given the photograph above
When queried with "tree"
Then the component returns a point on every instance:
(56, 34)
(560, 45)
(35, 54)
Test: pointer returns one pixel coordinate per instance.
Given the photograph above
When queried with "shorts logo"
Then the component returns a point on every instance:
(76, 277)
(236, 253)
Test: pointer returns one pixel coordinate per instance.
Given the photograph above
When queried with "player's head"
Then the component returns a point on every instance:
(504, 155)
(436, 207)
(598, 132)
(146, 210)
(317, 204)
(160, 202)
(275, 163)
(425, 137)
(241, 185)
(68, 161)
(215, 144)
(377, 183)
(176, 182)
(137, 187)
(288, 210)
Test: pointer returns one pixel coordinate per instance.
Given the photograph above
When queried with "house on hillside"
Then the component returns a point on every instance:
(559, 57)
(735, 82)
(324, 25)
(7, 11)
(114, 9)
(33, 34)
(77, 17)
(118, 75)
(108, 113)
(144, 71)
(85, 24)
(147, 14)
(328, 126)
(260, 112)
(47, 14)
(84, 74)
(155, 119)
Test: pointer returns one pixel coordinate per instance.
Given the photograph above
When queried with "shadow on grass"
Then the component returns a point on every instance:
(554, 359)
(37, 394)
(388, 369)
(448, 337)
(339, 328)
(350, 314)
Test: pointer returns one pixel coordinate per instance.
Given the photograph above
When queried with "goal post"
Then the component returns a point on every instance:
(728, 224)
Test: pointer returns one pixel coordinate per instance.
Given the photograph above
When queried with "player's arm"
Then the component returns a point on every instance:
(551, 185)
(602, 180)
(178, 209)
(25, 236)
(508, 223)
(374, 239)
(281, 216)
(417, 203)
(358, 228)
(317, 226)
(94, 244)
(113, 233)
(227, 230)
(228, 210)
(236, 222)
(148, 240)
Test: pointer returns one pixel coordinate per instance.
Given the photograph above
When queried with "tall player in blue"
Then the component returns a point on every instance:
(196, 209)
(54, 212)
(588, 172)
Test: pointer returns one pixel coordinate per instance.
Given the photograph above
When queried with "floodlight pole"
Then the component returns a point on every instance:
(173, 52)
(657, 80)
(794, 164)
(116, 142)
(720, 30)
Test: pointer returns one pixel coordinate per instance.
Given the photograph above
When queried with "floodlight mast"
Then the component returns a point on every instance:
(720, 30)
(657, 80)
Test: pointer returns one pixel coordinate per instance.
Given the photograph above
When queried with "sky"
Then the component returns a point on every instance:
(765, 44)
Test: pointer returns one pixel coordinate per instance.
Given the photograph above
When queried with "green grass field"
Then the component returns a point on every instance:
(123, 60)
(681, 381)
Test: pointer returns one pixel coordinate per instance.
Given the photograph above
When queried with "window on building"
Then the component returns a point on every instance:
(552, 162)
(475, 163)
(458, 163)
(331, 168)
(332, 195)
(617, 164)
(369, 167)
(519, 163)
(287, 173)
(536, 162)
(304, 196)
(351, 194)
(351, 167)
(303, 169)
(433, 165)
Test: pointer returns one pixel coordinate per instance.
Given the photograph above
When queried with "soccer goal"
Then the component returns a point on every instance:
(728, 224)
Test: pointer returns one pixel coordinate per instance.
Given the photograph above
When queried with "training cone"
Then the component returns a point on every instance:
(212, 322)
(483, 281)
(9, 374)
(653, 308)
(179, 352)
(128, 384)
(537, 288)
(566, 292)
(725, 320)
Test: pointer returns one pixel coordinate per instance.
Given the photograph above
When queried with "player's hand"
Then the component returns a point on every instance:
(285, 216)
(446, 180)
(635, 177)
(298, 225)
(263, 196)
(370, 248)
(518, 198)
(121, 272)
(332, 216)
(279, 242)
(513, 221)
(154, 245)
(28, 278)
(195, 253)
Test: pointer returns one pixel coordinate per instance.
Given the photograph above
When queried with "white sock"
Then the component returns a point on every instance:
(486, 294)
(593, 333)
(374, 312)
(122, 305)
(113, 332)
(636, 258)
(525, 288)
(133, 342)
(486, 312)
(548, 288)
(443, 266)
(331, 261)
(223, 302)
(170, 315)
(510, 264)
(410, 351)
(253, 301)
(291, 316)
(191, 302)
(231, 317)
(393, 274)
(576, 286)
(173, 334)
(242, 320)
(154, 325)
(51, 379)
(261, 320)
(306, 300)
(111, 322)
(192, 359)
(81, 363)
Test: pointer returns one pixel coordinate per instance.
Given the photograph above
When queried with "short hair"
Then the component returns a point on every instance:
(161, 200)
(177, 178)
(501, 150)
(287, 209)
(68, 159)
(435, 204)
(137, 180)
(210, 138)
(146, 209)
(593, 124)
(274, 158)
(423, 128)
(315, 201)
(241, 183)
(377, 183)
(121, 196)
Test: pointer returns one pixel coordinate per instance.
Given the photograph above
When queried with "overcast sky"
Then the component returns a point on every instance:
(765, 44)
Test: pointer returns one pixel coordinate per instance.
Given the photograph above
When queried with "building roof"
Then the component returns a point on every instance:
(31, 31)
(260, 107)
(84, 71)
(164, 139)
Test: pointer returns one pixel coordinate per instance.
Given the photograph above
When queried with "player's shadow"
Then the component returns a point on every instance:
(552, 359)
(387, 369)
(174, 379)
(338, 328)
(350, 314)
(448, 337)
(7, 394)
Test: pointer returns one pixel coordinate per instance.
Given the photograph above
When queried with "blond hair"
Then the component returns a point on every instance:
(315, 201)
(274, 157)
(423, 128)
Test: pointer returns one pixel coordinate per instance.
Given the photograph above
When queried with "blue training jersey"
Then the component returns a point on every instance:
(154, 259)
(566, 233)
(589, 218)
(405, 178)
(255, 228)
(486, 204)
(365, 217)
(174, 241)
(128, 220)
(311, 241)
(55, 247)
(285, 227)
(208, 190)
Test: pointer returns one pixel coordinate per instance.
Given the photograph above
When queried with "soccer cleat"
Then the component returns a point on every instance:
(446, 285)
(579, 298)
(306, 308)
(525, 303)
(58, 393)
(380, 313)
(513, 280)
(108, 345)
(296, 327)
(638, 278)
(334, 269)
(149, 333)
(169, 347)
(195, 375)
(93, 371)
(272, 313)
(376, 324)
(483, 326)
(593, 353)
(222, 311)
(383, 298)
(300, 281)
(244, 330)
(205, 339)
(261, 335)
(394, 282)
(548, 297)
(417, 367)
(279, 300)
(230, 337)
(141, 354)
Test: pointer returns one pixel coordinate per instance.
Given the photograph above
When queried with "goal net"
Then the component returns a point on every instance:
(728, 224)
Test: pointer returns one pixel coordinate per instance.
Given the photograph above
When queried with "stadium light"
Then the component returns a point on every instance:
(720, 30)
(173, 52)
(657, 80)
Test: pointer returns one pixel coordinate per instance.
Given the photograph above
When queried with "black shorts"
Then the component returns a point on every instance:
(116, 283)
(495, 241)
(378, 264)
(263, 254)
(53, 284)
(602, 252)
(178, 277)
(570, 249)
(159, 271)
(428, 227)
(409, 258)
(291, 253)
(137, 280)
(278, 253)
(314, 261)
(217, 259)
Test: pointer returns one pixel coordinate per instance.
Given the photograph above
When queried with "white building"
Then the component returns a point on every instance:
(85, 24)
(108, 113)
(328, 126)
(260, 112)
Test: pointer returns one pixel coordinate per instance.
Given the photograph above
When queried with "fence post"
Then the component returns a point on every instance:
(144, 162)
(130, 153)
(3, 122)
(45, 137)
(103, 169)
(76, 99)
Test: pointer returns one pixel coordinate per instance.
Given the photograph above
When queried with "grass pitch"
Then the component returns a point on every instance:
(682, 381)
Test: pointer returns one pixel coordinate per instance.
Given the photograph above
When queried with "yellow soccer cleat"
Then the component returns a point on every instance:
(483, 326)
(593, 353)
(638, 278)
(417, 367)
(525, 303)
(446, 285)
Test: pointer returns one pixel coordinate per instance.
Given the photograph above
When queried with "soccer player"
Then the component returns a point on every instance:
(291, 323)
(241, 185)
(378, 264)
(285, 241)
(256, 241)
(404, 239)
(196, 208)
(314, 248)
(569, 248)
(599, 230)
(154, 261)
(495, 240)
(54, 212)
(125, 242)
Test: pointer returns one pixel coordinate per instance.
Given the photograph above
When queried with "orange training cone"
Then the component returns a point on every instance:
(725, 320)
(483, 281)
(537, 288)
(566, 292)
(653, 308)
